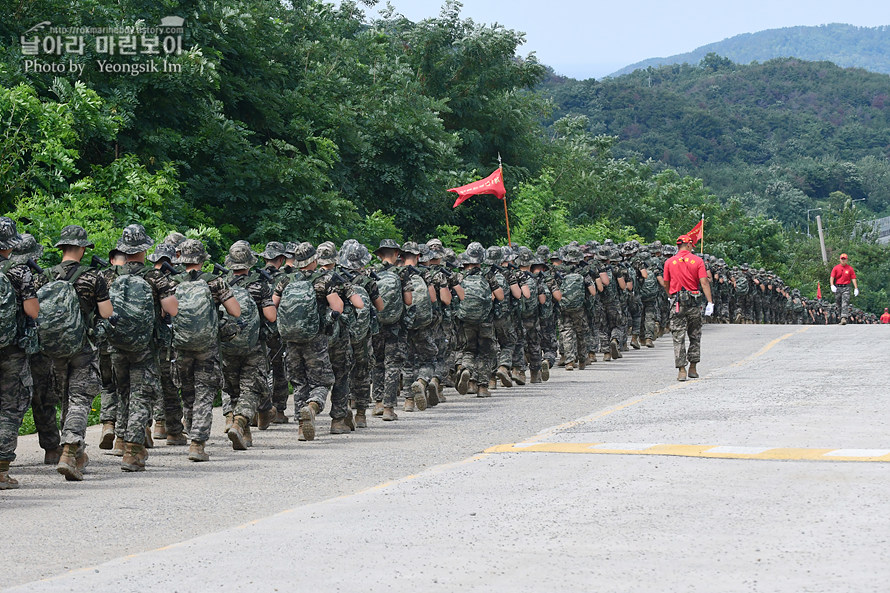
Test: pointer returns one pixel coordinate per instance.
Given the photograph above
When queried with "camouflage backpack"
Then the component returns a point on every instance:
(196, 326)
(649, 289)
(8, 307)
(546, 309)
(390, 288)
(476, 304)
(421, 303)
(528, 307)
(359, 320)
(741, 284)
(246, 340)
(572, 293)
(133, 301)
(298, 316)
(60, 324)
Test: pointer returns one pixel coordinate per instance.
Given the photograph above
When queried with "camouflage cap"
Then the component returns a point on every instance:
(494, 255)
(510, 253)
(240, 256)
(424, 252)
(525, 257)
(326, 254)
(9, 234)
(720, 262)
(354, 255)
(304, 254)
(27, 248)
(191, 251)
(387, 244)
(475, 253)
(289, 248)
(543, 252)
(436, 251)
(433, 243)
(450, 257)
(669, 250)
(572, 254)
(134, 240)
(410, 247)
(644, 254)
(74, 235)
(163, 250)
(273, 250)
(174, 238)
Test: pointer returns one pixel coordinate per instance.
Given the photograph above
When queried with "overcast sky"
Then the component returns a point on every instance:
(585, 39)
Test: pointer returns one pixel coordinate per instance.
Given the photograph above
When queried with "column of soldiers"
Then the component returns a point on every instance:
(159, 336)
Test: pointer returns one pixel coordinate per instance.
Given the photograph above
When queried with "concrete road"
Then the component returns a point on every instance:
(769, 473)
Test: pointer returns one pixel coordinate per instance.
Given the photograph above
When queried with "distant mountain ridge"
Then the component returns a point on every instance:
(845, 45)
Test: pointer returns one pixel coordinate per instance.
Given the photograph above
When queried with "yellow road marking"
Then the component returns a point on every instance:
(707, 451)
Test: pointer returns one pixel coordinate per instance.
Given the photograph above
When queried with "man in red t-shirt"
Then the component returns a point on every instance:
(885, 318)
(841, 277)
(685, 279)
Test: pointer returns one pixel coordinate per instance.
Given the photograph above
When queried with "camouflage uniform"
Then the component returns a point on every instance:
(15, 373)
(167, 407)
(353, 258)
(479, 338)
(421, 349)
(504, 329)
(308, 363)
(389, 350)
(339, 345)
(245, 374)
(136, 373)
(277, 350)
(574, 326)
(613, 317)
(199, 371)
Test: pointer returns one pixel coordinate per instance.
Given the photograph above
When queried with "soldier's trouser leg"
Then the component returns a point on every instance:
(686, 321)
(278, 366)
(136, 378)
(389, 356)
(245, 381)
(518, 358)
(479, 345)
(79, 376)
(108, 410)
(309, 369)
(44, 399)
(842, 300)
(340, 354)
(437, 337)
(15, 393)
(201, 369)
(172, 401)
(636, 311)
(549, 339)
(421, 354)
(506, 338)
(360, 377)
(532, 344)
(649, 313)
(572, 333)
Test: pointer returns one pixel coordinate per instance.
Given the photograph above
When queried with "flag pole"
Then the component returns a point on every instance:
(506, 215)
(701, 250)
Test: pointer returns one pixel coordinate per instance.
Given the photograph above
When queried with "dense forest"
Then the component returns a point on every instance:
(307, 121)
(845, 45)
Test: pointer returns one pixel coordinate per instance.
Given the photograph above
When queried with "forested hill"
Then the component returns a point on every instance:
(782, 135)
(845, 45)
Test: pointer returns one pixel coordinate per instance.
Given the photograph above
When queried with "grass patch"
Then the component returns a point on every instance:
(28, 427)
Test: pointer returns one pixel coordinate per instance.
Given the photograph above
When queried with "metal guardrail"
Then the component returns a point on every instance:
(882, 227)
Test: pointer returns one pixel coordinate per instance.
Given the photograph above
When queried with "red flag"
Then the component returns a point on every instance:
(697, 231)
(818, 290)
(493, 184)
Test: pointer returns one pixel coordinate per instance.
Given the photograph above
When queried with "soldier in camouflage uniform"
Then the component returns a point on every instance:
(308, 363)
(573, 323)
(613, 318)
(518, 364)
(443, 331)
(245, 374)
(108, 396)
(199, 370)
(479, 337)
(421, 352)
(18, 307)
(353, 258)
(504, 330)
(275, 255)
(77, 376)
(339, 344)
(136, 373)
(168, 411)
(44, 399)
(529, 313)
(389, 343)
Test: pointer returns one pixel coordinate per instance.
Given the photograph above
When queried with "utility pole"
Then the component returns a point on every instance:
(822, 239)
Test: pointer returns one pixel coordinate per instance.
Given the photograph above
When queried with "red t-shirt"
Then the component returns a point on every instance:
(885, 318)
(843, 274)
(684, 270)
